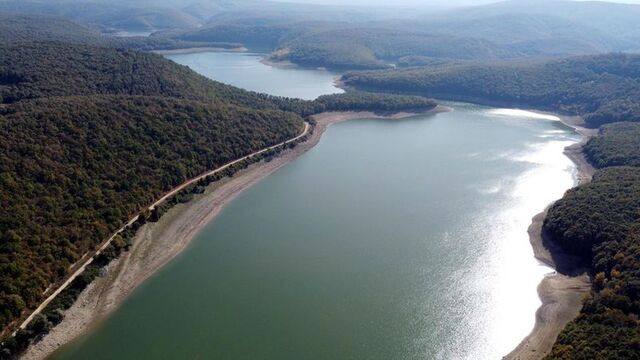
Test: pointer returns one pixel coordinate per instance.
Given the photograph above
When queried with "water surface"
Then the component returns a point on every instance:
(246, 71)
(391, 239)
(131, 33)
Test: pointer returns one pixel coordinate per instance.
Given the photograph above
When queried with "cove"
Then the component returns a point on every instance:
(391, 239)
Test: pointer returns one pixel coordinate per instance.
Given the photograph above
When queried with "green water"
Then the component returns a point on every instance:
(391, 239)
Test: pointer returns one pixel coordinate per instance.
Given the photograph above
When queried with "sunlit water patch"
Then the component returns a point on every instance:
(523, 114)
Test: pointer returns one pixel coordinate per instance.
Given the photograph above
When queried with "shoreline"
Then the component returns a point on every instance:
(196, 50)
(156, 244)
(561, 291)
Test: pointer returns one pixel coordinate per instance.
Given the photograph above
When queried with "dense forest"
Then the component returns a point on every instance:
(601, 88)
(21, 28)
(92, 135)
(108, 15)
(375, 102)
(160, 15)
(596, 213)
(380, 48)
(600, 222)
(34, 70)
(617, 144)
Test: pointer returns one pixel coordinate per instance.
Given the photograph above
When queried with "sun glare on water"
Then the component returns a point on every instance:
(523, 114)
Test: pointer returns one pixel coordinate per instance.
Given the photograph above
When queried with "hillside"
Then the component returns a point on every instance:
(258, 34)
(600, 222)
(19, 29)
(601, 88)
(617, 144)
(107, 15)
(520, 27)
(560, 26)
(610, 19)
(155, 15)
(36, 70)
(374, 48)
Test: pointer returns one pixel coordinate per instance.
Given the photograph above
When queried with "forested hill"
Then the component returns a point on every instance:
(371, 48)
(600, 222)
(601, 88)
(33, 70)
(107, 15)
(21, 28)
(617, 144)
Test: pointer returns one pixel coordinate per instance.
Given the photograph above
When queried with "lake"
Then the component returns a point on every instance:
(391, 239)
(246, 71)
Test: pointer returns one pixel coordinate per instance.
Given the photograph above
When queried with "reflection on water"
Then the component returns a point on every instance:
(131, 33)
(523, 114)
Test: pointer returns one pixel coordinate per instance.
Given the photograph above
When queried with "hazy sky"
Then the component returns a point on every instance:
(418, 2)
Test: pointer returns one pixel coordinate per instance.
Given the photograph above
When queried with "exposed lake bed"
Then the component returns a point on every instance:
(421, 260)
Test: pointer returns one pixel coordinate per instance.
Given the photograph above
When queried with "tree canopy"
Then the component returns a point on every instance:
(600, 222)
(617, 144)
